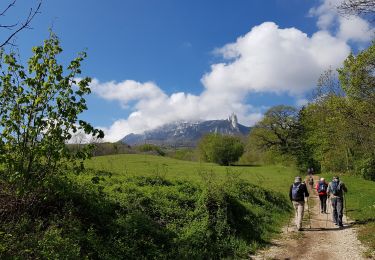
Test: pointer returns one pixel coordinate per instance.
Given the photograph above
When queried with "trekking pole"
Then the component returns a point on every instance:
(327, 210)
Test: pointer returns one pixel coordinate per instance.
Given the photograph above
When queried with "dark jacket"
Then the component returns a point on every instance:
(302, 192)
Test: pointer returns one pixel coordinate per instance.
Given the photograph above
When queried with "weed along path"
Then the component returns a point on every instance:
(322, 241)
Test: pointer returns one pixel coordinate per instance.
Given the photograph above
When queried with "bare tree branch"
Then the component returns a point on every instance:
(6, 9)
(24, 25)
(357, 7)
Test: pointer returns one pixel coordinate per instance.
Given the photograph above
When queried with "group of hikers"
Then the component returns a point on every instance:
(334, 190)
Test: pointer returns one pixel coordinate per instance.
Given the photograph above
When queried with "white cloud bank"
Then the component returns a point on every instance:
(266, 59)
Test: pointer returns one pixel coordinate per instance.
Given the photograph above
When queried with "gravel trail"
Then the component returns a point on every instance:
(323, 240)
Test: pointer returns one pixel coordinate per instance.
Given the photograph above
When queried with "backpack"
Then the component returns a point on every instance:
(296, 191)
(336, 188)
(311, 180)
(322, 187)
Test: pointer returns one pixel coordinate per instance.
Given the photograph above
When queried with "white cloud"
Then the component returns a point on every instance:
(126, 91)
(270, 59)
(157, 108)
(266, 59)
(348, 28)
(355, 29)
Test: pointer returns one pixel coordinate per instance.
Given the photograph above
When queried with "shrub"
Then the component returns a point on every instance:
(367, 168)
(220, 149)
(151, 148)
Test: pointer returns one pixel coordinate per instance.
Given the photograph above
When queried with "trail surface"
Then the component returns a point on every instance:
(323, 240)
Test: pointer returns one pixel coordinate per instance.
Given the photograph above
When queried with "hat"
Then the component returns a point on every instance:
(298, 179)
(321, 179)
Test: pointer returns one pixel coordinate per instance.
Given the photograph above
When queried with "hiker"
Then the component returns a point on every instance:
(297, 194)
(335, 191)
(321, 188)
(311, 182)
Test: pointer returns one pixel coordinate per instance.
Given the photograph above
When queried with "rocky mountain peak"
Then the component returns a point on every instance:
(187, 133)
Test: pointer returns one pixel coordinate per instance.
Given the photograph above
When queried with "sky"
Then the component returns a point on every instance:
(159, 61)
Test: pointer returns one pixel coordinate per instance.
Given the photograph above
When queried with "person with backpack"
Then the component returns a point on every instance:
(321, 188)
(297, 193)
(335, 191)
(311, 182)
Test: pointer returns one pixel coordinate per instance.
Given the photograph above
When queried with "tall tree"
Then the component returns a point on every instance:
(278, 129)
(39, 109)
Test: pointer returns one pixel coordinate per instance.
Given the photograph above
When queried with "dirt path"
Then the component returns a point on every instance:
(323, 240)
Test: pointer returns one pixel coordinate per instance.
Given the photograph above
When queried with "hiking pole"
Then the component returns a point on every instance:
(327, 209)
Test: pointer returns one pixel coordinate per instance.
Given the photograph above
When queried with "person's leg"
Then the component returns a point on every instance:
(334, 210)
(301, 208)
(340, 207)
(321, 203)
(295, 205)
(324, 202)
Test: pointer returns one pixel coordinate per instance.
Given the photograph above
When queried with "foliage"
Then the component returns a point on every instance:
(151, 148)
(39, 108)
(187, 154)
(145, 217)
(277, 130)
(220, 149)
(339, 125)
(367, 168)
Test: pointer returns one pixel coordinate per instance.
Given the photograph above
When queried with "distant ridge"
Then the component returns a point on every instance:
(184, 134)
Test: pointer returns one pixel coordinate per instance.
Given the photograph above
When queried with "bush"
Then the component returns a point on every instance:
(367, 168)
(220, 149)
(147, 148)
(143, 218)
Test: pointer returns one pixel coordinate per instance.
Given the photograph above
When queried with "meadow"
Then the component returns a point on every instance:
(274, 177)
(360, 199)
(204, 210)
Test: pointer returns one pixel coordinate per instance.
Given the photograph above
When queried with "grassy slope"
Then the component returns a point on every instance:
(360, 199)
(123, 168)
(277, 178)
(361, 207)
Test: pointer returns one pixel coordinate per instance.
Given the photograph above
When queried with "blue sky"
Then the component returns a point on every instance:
(158, 61)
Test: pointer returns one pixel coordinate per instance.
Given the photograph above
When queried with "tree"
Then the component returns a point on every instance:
(16, 27)
(278, 130)
(357, 7)
(39, 109)
(339, 123)
(220, 149)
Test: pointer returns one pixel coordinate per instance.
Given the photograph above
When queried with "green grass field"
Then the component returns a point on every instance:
(249, 202)
(118, 168)
(276, 178)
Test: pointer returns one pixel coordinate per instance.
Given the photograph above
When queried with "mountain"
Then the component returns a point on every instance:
(187, 133)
